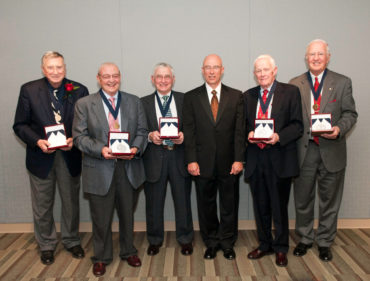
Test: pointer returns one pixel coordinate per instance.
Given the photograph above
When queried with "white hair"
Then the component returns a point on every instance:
(319, 41)
(268, 57)
(163, 64)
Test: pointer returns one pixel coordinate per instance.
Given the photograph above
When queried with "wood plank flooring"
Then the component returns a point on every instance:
(19, 260)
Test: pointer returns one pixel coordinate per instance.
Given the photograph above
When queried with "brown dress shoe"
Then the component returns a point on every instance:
(153, 250)
(99, 269)
(281, 259)
(134, 261)
(186, 249)
(257, 254)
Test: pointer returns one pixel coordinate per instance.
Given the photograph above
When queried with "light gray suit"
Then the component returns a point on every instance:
(325, 162)
(110, 183)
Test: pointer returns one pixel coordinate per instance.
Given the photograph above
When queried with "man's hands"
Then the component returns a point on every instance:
(333, 135)
(44, 144)
(193, 169)
(274, 138)
(106, 152)
(236, 168)
(155, 137)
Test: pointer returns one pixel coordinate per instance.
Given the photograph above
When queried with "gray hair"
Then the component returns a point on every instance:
(163, 64)
(107, 64)
(50, 54)
(319, 41)
(268, 57)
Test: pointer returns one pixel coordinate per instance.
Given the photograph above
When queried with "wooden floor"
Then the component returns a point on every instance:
(19, 260)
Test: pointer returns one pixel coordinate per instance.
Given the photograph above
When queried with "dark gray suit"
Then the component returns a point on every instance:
(110, 183)
(162, 165)
(325, 162)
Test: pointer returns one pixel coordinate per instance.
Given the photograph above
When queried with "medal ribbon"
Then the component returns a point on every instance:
(265, 106)
(108, 104)
(161, 108)
(316, 94)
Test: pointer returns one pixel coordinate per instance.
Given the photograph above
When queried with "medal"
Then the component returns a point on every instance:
(116, 125)
(120, 147)
(315, 107)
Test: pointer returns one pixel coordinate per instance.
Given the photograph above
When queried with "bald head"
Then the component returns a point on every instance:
(212, 70)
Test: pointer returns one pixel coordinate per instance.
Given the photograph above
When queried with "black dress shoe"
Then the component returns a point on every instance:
(229, 253)
(257, 254)
(301, 249)
(186, 249)
(153, 250)
(281, 259)
(77, 251)
(325, 254)
(99, 269)
(47, 257)
(210, 253)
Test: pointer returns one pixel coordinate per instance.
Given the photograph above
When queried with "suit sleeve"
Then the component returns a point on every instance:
(294, 129)
(22, 121)
(239, 137)
(141, 138)
(80, 131)
(189, 130)
(348, 113)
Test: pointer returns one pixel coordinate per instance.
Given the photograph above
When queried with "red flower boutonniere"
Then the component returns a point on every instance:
(69, 87)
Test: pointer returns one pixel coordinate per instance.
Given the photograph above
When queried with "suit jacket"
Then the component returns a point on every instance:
(33, 113)
(287, 113)
(336, 99)
(90, 134)
(153, 154)
(215, 145)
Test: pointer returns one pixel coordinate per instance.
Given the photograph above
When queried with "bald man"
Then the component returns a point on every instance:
(214, 150)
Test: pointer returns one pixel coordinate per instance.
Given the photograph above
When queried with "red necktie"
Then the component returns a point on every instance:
(316, 86)
(112, 122)
(262, 115)
(214, 104)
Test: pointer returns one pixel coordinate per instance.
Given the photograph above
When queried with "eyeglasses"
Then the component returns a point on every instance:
(319, 54)
(107, 76)
(165, 77)
(214, 67)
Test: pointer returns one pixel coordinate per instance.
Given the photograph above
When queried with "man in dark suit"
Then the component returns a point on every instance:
(163, 161)
(44, 102)
(271, 164)
(322, 158)
(110, 180)
(214, 133)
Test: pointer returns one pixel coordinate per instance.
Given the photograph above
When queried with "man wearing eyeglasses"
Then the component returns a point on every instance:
(109, 179)
(322, 158)
(214, 151)
(164, 161)
(45, 102)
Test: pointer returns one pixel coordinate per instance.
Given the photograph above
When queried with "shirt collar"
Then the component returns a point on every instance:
(210, 89)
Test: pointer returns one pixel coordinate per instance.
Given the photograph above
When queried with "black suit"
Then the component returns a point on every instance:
(215, 146)
(270, 169)
(162, 165)
(34, 112)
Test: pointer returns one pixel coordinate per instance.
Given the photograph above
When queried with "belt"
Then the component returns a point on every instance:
(169, 147)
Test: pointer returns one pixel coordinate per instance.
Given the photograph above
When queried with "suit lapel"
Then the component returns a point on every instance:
(252, 106)
(45, 100)
(178, 108)
(276, 101)
(204, 101)
(152, 117)
(306, 97)
(98, 109)
(327, 91)
(224, 99)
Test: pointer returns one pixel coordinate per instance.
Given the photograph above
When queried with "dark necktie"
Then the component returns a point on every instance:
(214, 104)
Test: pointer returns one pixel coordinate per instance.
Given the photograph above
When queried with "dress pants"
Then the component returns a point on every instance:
(270, 201)
(43, 195)
(121, 197)
(155, 195)
(330, 191)
(217, 232)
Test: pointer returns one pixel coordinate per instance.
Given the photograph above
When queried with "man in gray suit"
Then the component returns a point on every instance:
(321, 158)
(110, 180)
(164, 161)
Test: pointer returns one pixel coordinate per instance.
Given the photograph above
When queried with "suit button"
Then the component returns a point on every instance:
(305, 145)
(308, 133)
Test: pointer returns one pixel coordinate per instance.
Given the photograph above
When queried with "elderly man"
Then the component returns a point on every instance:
(271, 163)
(164, 161)
(108, 178)
(45, 102)
(214, 131)
(322, 158)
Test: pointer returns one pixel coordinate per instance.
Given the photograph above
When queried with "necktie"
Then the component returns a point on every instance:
(56, 107)
(262, 115)
(168, 114)
(113, 124)
(214, 104)
(316, 86)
